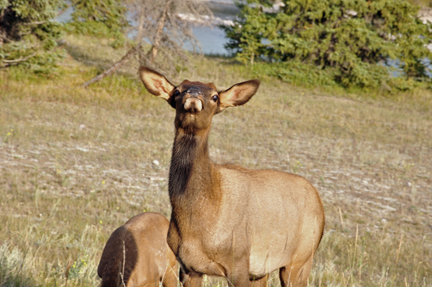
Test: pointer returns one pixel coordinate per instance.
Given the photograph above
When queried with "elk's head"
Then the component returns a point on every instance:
(196, 102)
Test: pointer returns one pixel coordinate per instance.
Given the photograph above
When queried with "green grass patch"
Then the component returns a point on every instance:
(310, 76)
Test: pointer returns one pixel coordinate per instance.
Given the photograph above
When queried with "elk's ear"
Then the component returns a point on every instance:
(238, 94)
(156, 83)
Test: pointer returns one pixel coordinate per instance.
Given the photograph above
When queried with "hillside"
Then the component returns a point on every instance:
(77, 163)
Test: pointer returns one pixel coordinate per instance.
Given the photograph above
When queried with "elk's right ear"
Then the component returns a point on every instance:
(238, 94)
(156, 83)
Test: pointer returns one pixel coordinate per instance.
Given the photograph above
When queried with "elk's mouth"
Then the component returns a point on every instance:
(193, 105)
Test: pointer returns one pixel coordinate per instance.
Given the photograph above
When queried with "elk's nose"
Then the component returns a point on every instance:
(193, 103)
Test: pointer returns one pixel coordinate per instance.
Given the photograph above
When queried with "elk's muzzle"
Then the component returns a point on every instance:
(193, 105)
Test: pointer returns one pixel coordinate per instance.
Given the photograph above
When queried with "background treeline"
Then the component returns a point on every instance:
(364, 44)
(30, 33)
(345, 42)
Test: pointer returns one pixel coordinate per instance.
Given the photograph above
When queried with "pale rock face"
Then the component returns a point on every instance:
(425, 14)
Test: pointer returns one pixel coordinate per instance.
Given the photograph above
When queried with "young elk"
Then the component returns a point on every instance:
(227, 220)
(137, 254)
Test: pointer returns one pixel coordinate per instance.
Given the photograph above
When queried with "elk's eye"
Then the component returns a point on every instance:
(176, 93)
(215, 98)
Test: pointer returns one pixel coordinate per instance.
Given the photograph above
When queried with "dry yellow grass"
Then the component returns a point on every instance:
(77, 163)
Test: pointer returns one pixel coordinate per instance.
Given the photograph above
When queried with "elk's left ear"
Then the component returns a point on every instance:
(238, 94)
(156, 83)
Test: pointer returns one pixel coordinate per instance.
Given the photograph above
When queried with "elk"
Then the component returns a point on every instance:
(227, 220)
(137, 254)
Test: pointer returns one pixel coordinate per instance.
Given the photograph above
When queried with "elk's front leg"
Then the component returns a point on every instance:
(190, 278)
(238, 276)
(261, 282)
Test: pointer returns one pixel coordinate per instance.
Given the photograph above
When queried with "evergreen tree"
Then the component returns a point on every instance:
(351, 38)
(28, 33)
(102, 18)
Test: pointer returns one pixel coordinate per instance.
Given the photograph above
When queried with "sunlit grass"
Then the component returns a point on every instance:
(77, 163)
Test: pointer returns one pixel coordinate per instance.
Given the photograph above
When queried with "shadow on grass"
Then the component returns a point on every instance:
(14, 268)
(86, 57)
(17, 280)
(101, 57)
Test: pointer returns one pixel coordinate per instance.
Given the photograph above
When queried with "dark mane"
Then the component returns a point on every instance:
(182, 160)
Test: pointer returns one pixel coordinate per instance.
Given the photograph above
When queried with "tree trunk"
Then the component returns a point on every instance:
(140, 32)
(141, 20)
(157, 39)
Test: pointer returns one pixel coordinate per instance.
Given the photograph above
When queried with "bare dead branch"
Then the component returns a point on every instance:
(34, 23)
(12, 62)
(159, 26)
(63, 10)
(114, 67)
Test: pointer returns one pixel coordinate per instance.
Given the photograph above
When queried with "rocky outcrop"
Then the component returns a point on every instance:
(425, 14)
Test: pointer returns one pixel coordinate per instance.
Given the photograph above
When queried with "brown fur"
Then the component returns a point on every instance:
(227, 220)
(137, 254)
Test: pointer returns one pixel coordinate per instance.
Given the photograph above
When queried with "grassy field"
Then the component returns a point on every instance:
(77, 163)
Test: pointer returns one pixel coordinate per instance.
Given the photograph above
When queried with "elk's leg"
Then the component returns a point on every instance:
(170, 277)
(262, 282)
(295, 275)
(190, 278)
(238, 276)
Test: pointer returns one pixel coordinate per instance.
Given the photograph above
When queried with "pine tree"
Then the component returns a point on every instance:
(352, 38)
(102, 18)
(28, 34)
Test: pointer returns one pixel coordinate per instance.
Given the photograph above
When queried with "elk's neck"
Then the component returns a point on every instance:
(191, 168)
